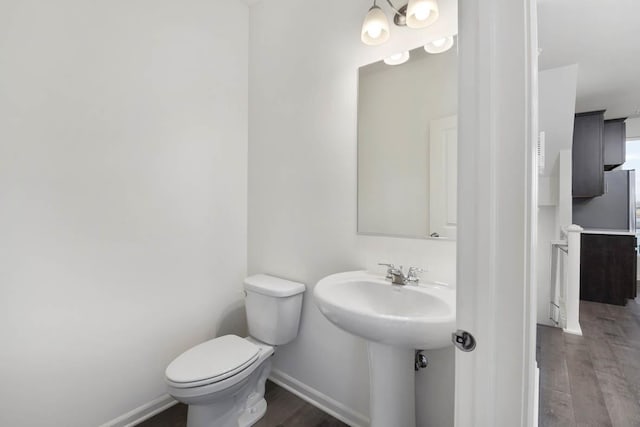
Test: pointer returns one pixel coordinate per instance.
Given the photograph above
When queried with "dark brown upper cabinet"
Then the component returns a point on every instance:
(615, 143)
(588, 154)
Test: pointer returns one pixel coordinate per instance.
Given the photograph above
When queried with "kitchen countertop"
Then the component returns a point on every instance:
(612, 232)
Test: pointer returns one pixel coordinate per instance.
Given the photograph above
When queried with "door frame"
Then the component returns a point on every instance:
(497, 211)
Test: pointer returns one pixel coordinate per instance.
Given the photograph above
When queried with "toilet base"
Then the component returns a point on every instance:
(239, 406)
(252, 414)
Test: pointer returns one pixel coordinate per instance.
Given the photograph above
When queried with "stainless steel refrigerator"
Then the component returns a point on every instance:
(615, 209)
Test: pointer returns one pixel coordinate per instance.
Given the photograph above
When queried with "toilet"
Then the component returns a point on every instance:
(222, 380)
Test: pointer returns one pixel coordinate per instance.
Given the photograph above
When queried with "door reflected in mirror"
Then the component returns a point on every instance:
(407, 146)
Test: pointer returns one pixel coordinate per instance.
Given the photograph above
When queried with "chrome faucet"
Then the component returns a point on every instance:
(397, 276)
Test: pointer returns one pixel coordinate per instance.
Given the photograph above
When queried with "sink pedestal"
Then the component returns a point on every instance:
(401, 317)
(392, 385)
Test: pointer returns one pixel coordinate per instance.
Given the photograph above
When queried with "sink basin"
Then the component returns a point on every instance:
(396, 321)
(412, 316)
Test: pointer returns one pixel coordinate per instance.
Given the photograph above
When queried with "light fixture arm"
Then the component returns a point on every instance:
(393, 7)
(400, 17)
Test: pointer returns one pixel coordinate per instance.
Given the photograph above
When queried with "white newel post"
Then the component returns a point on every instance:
(572, 296)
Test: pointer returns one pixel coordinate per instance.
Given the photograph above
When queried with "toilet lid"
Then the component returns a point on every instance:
(214, 360)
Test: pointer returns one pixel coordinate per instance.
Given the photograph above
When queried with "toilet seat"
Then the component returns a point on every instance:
(212, 361)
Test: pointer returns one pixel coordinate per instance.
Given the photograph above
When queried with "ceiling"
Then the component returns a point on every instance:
(603, 38)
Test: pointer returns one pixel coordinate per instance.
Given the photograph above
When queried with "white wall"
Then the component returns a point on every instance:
(557, 95)
(123, 150)
(302, 186)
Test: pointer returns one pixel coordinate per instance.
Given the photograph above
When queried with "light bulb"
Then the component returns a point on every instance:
(422, 12)
(439, 42)
(439, 45)
(374, 30)
(397, 58)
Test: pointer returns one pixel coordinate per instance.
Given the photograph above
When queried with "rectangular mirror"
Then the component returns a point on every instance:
(407, 146)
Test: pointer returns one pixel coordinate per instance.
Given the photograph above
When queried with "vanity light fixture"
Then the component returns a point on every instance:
(415, 14)
(439, 45)
(397, 58)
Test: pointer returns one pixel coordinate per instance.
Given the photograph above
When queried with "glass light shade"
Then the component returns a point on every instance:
(439, 45)
(375, 29)
(422, 13)
(397, 58)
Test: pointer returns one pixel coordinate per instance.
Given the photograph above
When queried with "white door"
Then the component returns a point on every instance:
(443, 176)
(496, 212)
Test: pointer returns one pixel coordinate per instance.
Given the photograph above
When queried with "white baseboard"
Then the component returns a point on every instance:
(536, 397)
(141, 413)
(577, 331)
(319, 400)
(311, 395)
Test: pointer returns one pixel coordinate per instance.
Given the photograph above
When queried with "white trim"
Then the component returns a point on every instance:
(531, 373)
(494, 384)
(577, 332)
(142, 413)
(303, 391)
(572, 287)
(536, 397)
(319, 400)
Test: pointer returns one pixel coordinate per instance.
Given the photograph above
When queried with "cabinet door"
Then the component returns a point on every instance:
(615, 143)
(588, 154)
(607, 268)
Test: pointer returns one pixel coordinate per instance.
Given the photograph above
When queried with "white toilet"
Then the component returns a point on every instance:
(222, 380)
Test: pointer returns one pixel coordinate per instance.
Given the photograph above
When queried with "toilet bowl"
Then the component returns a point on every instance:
(223, 379)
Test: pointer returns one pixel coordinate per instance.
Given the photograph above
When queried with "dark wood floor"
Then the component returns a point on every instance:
(284, 409)
(593, 380)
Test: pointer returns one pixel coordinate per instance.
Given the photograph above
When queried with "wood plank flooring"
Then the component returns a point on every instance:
(284, 409)
(593, 380)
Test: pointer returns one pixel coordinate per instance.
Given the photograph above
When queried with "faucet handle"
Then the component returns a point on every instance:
(390, 268)
(412, 274)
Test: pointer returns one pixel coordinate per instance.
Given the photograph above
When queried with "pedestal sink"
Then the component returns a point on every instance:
(396, 321)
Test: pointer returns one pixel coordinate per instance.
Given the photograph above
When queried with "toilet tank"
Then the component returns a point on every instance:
(273, 308)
